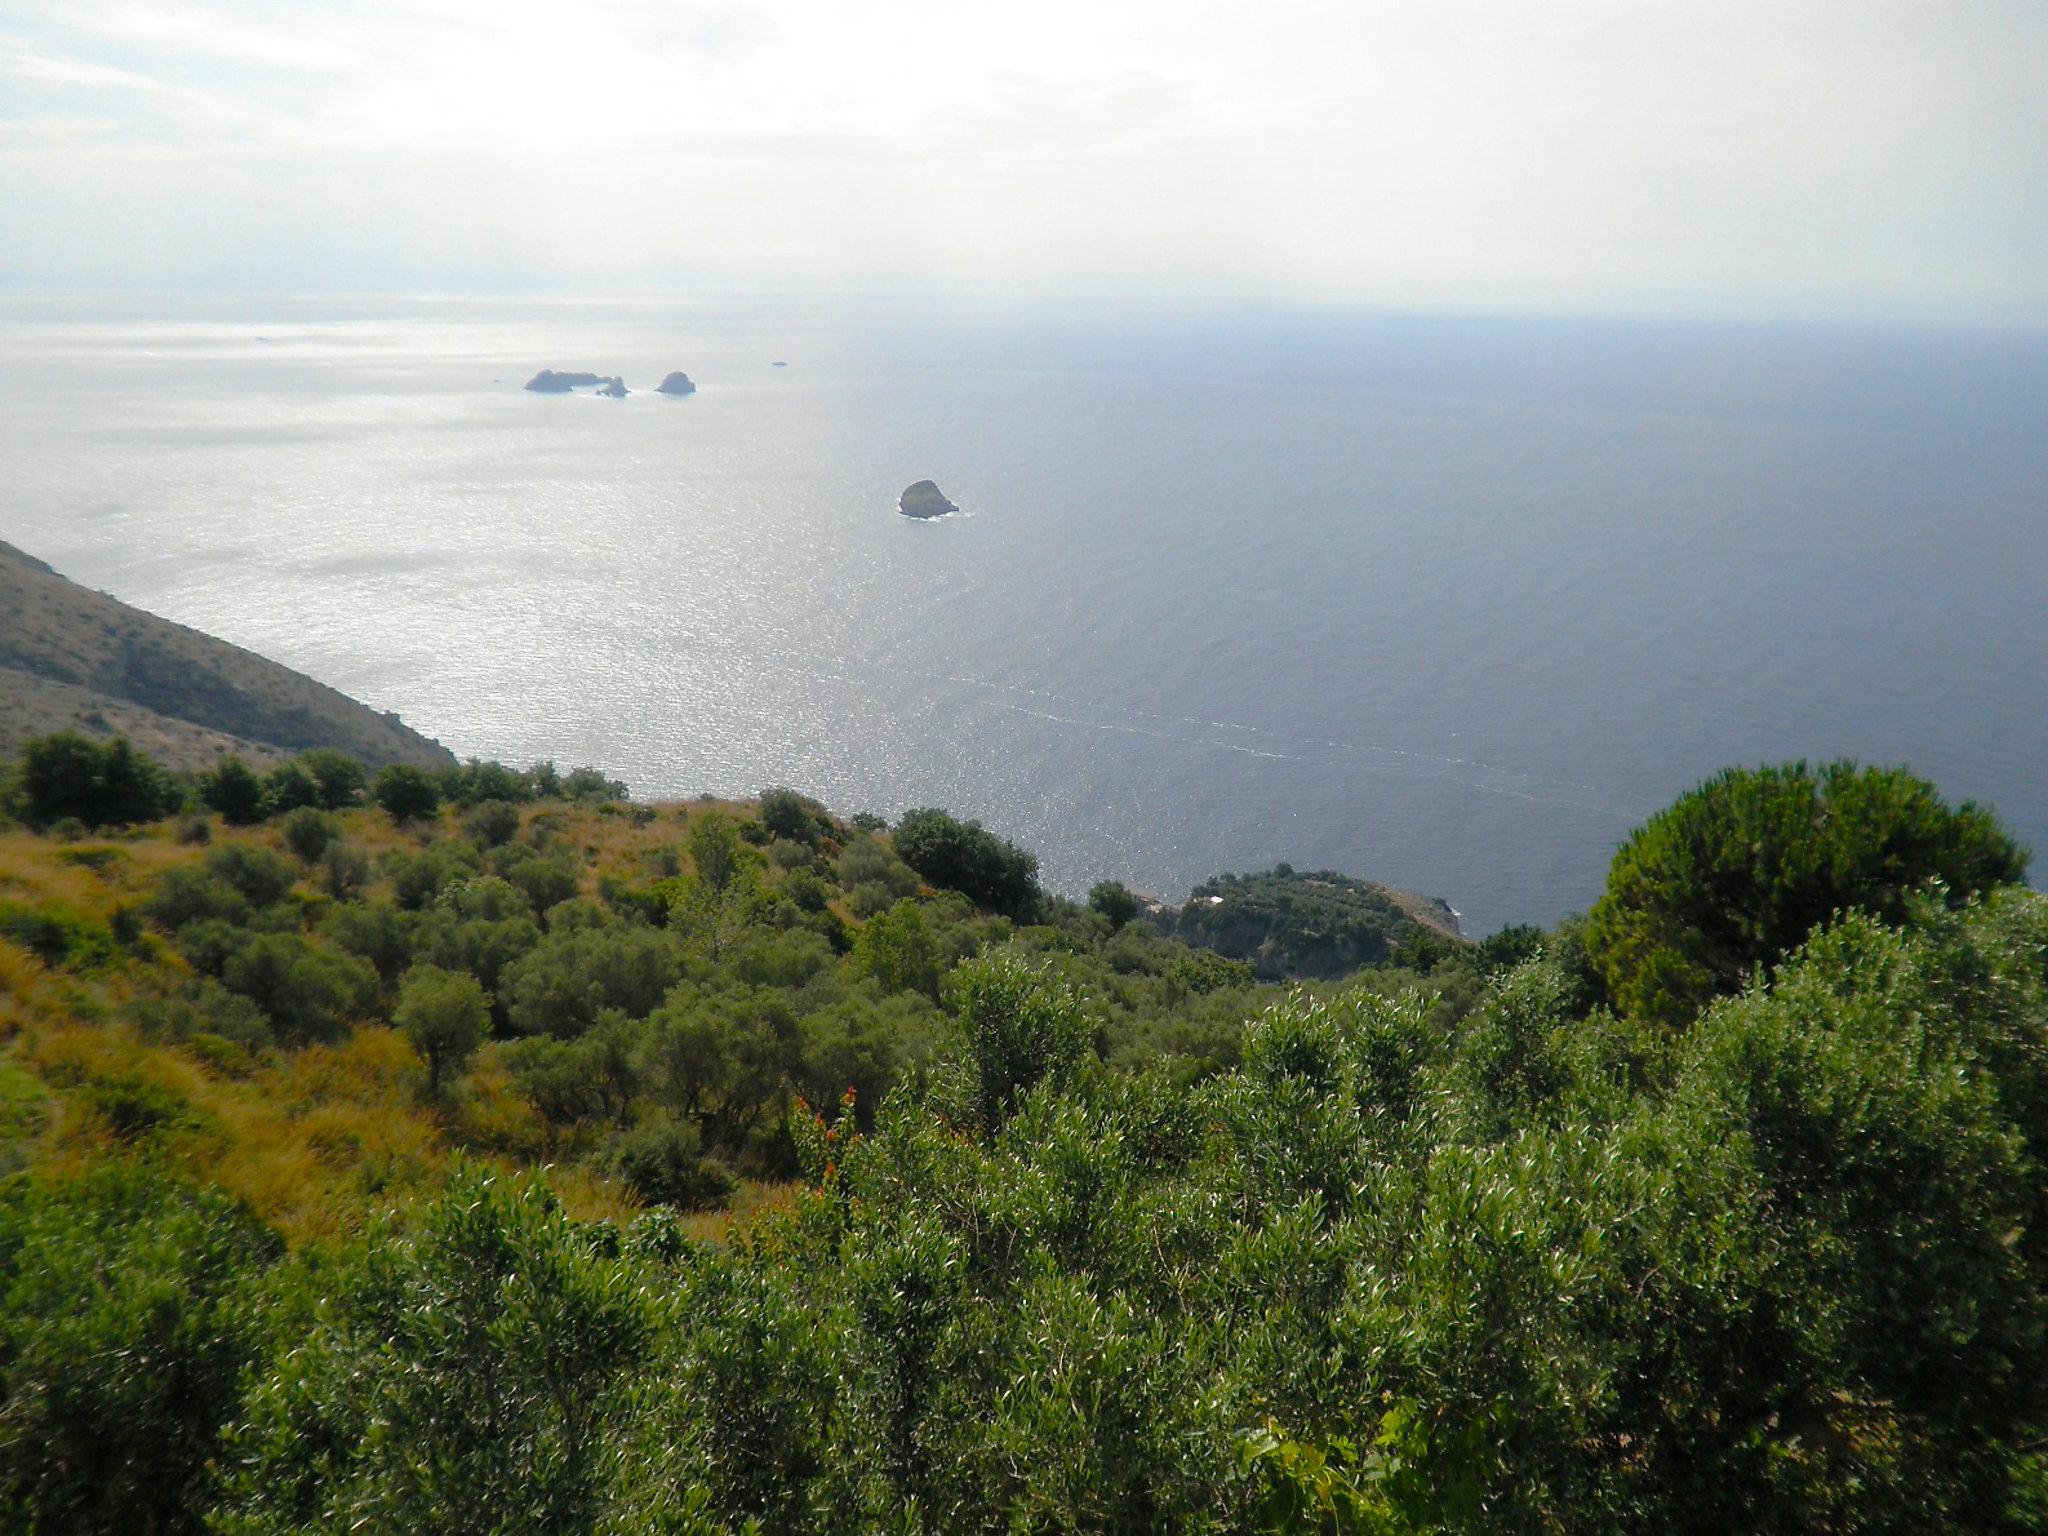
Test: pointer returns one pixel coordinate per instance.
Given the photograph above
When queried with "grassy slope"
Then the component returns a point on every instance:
(313, 1139)
(74, 659)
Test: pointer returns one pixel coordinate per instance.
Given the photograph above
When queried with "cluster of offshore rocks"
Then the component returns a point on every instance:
(923, 501)
(549, 382)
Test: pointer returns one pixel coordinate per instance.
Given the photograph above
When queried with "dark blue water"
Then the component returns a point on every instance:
(1447, 603)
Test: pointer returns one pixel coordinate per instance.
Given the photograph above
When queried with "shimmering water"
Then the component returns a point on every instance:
(1447, 603)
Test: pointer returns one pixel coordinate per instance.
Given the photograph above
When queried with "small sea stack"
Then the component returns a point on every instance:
(677, 383)
(924, 500)
(614, 388)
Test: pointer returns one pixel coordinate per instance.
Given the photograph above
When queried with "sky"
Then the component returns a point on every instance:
(1771, 158)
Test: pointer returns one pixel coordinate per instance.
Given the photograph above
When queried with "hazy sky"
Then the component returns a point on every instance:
(1866, 157)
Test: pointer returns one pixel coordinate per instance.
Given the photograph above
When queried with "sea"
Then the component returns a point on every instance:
(1448, 602)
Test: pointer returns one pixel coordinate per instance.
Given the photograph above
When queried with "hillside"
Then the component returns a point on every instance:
(79, 660)
(1287, 923)
(660, 981)
(760, 1169)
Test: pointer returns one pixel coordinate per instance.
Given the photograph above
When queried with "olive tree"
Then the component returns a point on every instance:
(444, 1015)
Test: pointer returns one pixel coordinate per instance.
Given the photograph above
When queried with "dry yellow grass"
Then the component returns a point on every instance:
(315, 1140)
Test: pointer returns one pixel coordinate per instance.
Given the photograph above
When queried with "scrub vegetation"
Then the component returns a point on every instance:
(474, 1150)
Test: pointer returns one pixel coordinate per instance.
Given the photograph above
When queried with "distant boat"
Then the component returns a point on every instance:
(778, 363)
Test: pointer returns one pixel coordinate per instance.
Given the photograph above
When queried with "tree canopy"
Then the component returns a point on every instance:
(965, 856)
(1738, 871)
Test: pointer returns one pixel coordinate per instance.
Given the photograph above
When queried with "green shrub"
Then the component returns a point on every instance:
(203, 1007)
(256, 874)
(787, 814)
(344, 871)
(476, 783)
(1023, 1026)
(492, 823)
(233, 789)
(308, 993)
(135, 1108)
(58, 936)
(592, 784)
(500, 1339)
(665, 1164)
(339, 777)
(1114, 900)
(573, 974)
(129, 1309)
(308, 833)
(375, 931)
(187, 894)
(98, 859)
(290, 787)
(405, 793)
(896, 948)
(418, 879)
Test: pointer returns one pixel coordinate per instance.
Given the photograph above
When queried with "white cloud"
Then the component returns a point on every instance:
(1580, 153)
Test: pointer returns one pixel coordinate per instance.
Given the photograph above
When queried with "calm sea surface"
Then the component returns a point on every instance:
(1451, 604)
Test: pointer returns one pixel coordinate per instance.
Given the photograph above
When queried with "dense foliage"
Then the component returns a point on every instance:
(1287, 923)
(965, 856)
(67, 776)
(1738, 871)
(1055, 1223)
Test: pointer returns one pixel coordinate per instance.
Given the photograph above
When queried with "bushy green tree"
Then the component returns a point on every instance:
(721, 1061)
(548, 879)
(896, 948)
(444, 1015)
(290, 786)
(967, 857)
(1023, 1025)
(492, 822)
(375, 931)
(260, 876)
(308, 992)
(714, 848)
(477, 782)
(233, 789)
(344, 871)
(308, 832)
(405, 793)
(664, 1162)
(481, 935)
(189, 894)
(1741, 869)
(418, 879)
(573, 974)
(66, 775)
(1114, 900)
(593, 784)
(785, 813)
(340, 778)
